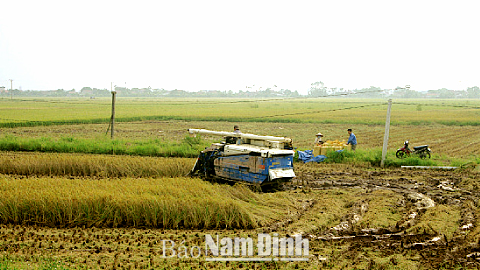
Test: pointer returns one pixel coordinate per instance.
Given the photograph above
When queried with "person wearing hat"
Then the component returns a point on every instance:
(319, 139)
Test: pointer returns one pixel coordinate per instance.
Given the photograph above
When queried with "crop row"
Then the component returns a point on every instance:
(138, 202)
(86, 165)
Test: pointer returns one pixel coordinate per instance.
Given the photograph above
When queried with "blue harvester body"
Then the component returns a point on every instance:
(247, 158)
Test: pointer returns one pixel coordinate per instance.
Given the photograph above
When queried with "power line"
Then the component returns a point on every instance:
(61, 102)
(313, 112)
(438, 105)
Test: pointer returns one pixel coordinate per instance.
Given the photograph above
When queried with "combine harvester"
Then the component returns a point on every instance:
(262, 161)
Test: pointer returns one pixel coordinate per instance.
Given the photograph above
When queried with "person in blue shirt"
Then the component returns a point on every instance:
(352, 140)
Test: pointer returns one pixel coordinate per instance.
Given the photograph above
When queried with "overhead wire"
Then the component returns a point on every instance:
(438, 105)
(58, 102)
(322, 111)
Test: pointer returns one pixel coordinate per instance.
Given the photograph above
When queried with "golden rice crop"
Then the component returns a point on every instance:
(85, 165)
(139, 202)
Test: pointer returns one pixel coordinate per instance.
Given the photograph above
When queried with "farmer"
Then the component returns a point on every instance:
(352, 139)
(319, 139)
(235, 140)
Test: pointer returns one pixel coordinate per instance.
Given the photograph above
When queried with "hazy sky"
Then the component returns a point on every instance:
(229, 45)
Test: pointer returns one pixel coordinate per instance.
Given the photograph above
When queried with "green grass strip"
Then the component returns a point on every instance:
(189, 147)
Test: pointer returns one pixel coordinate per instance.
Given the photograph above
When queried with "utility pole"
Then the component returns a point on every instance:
(387, 131)
(113, 108)
(11, 89)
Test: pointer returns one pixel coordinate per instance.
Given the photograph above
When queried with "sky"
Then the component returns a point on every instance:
(239, 45)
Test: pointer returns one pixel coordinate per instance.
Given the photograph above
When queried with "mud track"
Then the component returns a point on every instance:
(419, 190)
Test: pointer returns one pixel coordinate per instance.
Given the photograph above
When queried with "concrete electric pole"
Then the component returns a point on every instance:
(387, 131)
(113, 108)
(11, 89)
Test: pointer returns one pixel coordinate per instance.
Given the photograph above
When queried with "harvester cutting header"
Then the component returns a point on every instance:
(243, 157)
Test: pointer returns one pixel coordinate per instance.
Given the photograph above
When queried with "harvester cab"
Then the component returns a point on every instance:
(242, 157)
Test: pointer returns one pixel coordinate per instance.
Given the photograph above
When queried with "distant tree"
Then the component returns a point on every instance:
(178, 93)
(445, 93)
(401, 92)
(86, 89)
(370, 92)
(473, 92)
(317, 89)
(59, 93)
(159, 92)
(411, 94)
(101, 92)
(333, 90)
(286, 92)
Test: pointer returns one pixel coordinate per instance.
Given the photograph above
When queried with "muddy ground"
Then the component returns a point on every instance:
(354, 217)
(416, 238)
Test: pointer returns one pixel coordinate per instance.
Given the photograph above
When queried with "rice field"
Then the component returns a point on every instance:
(158, 127)
(84, 201)
(51, 111)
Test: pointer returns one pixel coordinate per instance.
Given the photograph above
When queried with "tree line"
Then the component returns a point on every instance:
(317, 89)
